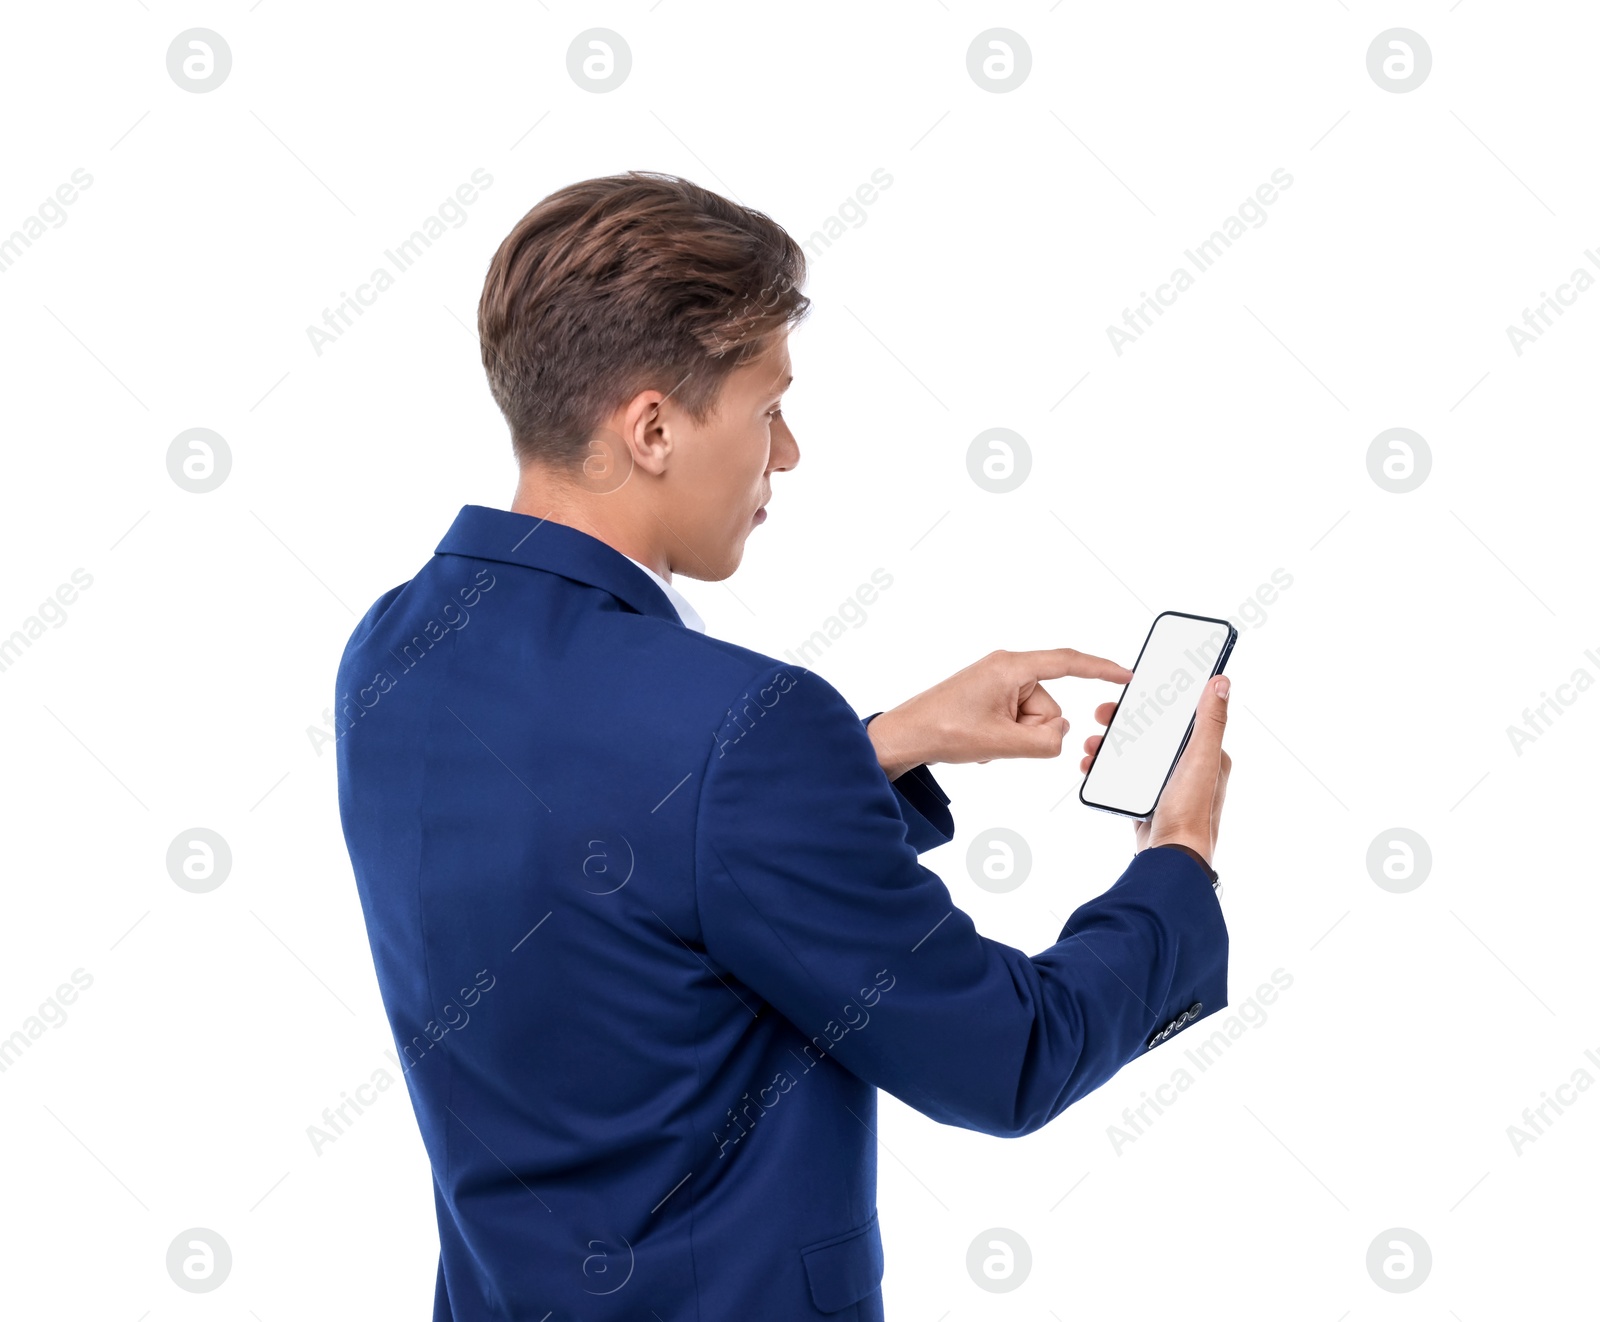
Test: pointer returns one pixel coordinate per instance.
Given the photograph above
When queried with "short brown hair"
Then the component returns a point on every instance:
(626, 283)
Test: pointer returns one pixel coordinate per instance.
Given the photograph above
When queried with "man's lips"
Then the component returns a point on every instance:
(760, 515)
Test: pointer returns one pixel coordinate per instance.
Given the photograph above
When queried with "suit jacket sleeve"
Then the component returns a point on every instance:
(923, 804)
(811, 893)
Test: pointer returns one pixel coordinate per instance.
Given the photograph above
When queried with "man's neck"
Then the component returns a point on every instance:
(609, 518)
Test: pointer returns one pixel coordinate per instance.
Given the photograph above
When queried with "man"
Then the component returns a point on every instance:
(646, 907)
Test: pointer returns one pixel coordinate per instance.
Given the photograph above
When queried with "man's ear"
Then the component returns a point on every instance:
(647, 432)
(635, 437)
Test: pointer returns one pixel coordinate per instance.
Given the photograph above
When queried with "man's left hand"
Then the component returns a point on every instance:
(996, 707)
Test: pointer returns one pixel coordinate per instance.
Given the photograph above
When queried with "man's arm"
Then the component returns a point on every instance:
(923, 804)
(811, 893)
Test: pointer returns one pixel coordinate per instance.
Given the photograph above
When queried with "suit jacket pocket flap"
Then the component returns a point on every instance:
(845, 1268)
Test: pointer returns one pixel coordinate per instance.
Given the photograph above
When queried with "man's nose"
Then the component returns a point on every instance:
(785, 451)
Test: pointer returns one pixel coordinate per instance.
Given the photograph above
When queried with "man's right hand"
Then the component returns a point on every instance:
(1190, 808)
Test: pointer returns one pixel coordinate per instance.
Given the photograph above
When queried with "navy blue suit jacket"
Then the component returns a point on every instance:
(651, 930)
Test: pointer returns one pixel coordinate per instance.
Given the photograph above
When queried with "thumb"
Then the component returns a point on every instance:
(1204, 752)
(1037, 738)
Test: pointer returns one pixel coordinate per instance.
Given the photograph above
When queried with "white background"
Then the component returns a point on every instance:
(1229, 442)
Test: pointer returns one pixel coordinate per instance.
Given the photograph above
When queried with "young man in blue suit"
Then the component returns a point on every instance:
(646, 907)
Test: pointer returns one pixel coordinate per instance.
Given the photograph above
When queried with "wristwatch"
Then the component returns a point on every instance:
(1195, 855)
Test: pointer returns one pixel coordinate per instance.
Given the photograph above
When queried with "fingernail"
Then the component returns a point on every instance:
(1222, 688)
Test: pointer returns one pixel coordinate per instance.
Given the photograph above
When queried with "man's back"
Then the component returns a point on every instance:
(649, 928)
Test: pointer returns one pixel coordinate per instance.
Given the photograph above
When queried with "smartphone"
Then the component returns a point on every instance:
(1155, 715)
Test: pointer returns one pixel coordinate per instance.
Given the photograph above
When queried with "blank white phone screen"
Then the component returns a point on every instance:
(1142, 741)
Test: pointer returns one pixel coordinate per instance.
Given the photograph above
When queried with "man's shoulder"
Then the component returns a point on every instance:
(685, 663)
(455, 599)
